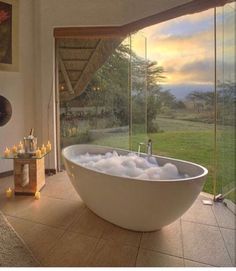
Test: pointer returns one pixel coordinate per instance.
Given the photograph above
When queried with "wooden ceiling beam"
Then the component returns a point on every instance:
(191, 7)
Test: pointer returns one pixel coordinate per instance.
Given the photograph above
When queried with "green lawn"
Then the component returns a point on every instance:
(173, 144)
(191, 141)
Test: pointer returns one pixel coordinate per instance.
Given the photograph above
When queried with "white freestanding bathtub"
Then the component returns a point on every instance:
(139, 205)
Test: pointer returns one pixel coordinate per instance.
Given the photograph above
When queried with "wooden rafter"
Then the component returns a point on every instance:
(83, 74)
(103, 50)
(65, 75)
(85, 68)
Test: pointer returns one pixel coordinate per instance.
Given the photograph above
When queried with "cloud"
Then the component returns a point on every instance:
(175, 53)
(184, 46)
(184, 25)
(198, 71)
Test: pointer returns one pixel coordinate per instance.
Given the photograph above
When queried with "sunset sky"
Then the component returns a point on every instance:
(184, 47)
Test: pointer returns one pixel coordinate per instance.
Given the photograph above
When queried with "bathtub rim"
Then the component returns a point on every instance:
(204, 174)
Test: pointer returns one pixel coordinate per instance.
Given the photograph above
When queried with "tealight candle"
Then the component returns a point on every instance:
(20, 146)
(38, 153)
(48, 147)
(37, 195)
(43, 150)
(8, 193)
(7, 152)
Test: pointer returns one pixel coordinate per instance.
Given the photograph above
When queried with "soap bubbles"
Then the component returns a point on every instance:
(130, 165)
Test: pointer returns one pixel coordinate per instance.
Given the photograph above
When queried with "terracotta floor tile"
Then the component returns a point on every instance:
(59, 186)
(189, 263)
(224, 216)
(61, 231)
(111, 254)
(52, 212)
(89, 224)
(230, 241)
(5, 183)
(203, 243)
(167, 240)
(200, 213)
(39, 238)
(72, 250)
(122, 236)
(15, 204)
(148, 258)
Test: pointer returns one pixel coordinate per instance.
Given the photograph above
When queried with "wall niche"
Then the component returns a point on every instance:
(5, 111)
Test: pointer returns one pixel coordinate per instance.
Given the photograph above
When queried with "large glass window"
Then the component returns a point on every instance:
(158, 83)
(138, 91)
(226, 98)
(181, 89)
(97, 109)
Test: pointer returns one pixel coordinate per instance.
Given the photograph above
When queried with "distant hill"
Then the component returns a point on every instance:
(181, 91)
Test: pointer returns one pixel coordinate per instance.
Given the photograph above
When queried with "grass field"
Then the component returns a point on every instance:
(187, 140)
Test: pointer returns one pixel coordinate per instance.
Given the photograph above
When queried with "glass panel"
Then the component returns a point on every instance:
(98, 111)
(180, 94)
(24, 156)
(226, 97)
(138, 98)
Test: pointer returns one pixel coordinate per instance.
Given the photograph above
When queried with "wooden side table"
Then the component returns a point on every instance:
(29, 175)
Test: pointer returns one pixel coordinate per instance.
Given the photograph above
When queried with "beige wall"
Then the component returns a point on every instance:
(18, 87)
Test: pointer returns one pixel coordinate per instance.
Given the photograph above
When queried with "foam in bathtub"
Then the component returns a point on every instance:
(130, 165)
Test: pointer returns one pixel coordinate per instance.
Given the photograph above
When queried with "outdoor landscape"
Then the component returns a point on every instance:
(111, 113)
(159, 84)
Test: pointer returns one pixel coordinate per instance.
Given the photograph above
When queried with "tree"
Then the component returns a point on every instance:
(201, 100)
(226, 103)
(113, 81)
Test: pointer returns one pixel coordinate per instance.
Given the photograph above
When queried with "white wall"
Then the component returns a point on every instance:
(18, 87)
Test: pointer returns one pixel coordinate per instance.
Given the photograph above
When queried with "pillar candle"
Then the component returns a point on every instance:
(7, 152)
(48, 147)
(37, 195)
(38, 153)
(43, 150)
(14, 150)
(8, 192)
(20, 146)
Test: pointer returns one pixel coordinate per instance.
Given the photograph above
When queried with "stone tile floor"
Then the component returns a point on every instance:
(61, 231)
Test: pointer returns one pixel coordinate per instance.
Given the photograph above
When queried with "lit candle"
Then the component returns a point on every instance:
(37, 195)
(14, 150)
(38, 153)
(48, 147)
(20, 146)
(43, 150)
(8, 193)
(7, 152)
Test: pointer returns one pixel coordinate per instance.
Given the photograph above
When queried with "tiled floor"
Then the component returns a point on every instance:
(61, 231)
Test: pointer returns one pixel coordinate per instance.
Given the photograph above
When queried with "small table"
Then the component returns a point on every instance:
(29, 174)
